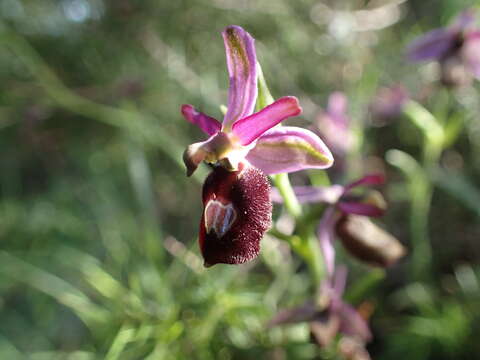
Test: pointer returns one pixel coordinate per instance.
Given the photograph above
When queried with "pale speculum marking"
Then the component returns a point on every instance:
(219, 217)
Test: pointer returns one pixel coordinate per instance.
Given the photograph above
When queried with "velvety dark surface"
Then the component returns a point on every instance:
(248, 191)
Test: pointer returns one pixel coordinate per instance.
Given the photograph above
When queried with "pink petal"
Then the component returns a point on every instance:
(242, 70)
(464, 20)
(250, 128)
(325, 237)
(361, 209)
(337, 105)
(374, 179)
(287, 149)
(336, 132)
(339, 280)
(208, 124)
(471, 53)
(432, 46)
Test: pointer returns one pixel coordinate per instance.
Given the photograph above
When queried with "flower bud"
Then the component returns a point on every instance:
(368, 242)
(237, 213)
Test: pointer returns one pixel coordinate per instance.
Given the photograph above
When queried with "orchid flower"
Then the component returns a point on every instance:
(244, 148)
(334, 124)
(456, 48)
(329, 315)
(347, 216)
(388, 104)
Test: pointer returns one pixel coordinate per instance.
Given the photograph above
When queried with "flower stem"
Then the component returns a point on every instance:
(304, 243)
(282, 182)
(421, 189)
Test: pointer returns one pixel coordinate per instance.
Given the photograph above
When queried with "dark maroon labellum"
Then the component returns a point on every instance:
(236, 214)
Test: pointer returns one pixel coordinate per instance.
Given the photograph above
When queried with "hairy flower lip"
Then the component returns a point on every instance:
(237, 212)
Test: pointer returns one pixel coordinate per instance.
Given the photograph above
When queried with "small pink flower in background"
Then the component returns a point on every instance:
(456, 48)
(334, 124)
(243, 148)
(329, 316)
(387, 104)
(347, 216)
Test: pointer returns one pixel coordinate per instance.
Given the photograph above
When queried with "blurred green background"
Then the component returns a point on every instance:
(98, 222)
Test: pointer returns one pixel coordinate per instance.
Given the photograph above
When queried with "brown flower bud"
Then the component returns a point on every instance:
(368, 242)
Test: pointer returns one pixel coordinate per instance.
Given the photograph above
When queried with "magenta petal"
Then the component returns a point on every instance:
(325, 237)
(286, 149)
(337, 107)
(464, 20)
(208, 124)
(471, 53)
(361, 209)
(339, 281)
(250, 128)
(242, 70)
(432, 46)
(375, 179)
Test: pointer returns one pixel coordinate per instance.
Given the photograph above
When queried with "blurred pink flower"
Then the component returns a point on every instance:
(329, 315)
(347, 216)
(334, 124)
(456, 48)
(387, 104)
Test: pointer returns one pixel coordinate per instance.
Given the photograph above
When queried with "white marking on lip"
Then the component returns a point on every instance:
(219, 217)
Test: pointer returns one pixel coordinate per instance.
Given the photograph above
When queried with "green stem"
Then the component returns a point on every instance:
(316, 261)
(282, 183)
(421, 189)
(420, 192)
(305, 244)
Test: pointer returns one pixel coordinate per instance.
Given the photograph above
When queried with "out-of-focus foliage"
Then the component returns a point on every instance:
(98, 223)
